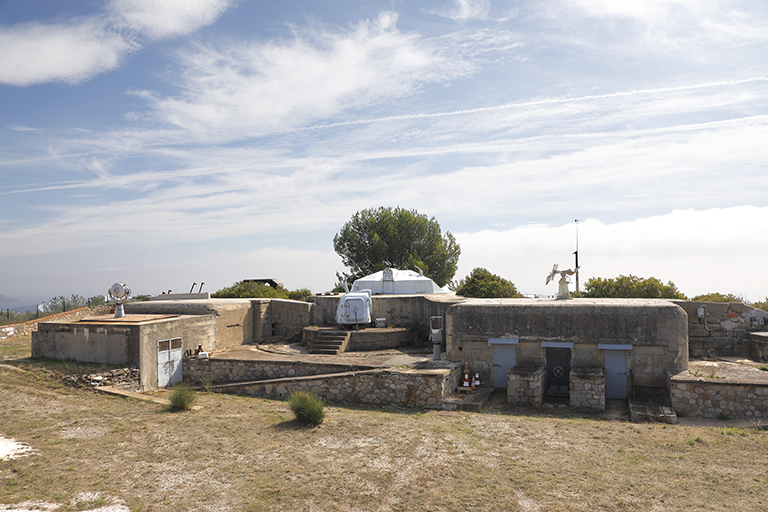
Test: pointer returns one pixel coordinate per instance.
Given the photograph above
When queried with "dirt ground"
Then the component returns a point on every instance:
(92, 451)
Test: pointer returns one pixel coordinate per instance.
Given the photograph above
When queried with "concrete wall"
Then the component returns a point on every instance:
(122, 343)
(408, 311)
(405, 388)
(286, 318)
(193, 331)
(91, 343)
(727, 328)
(656, 329)
(236, 370)
(240, 321)
(233, 318)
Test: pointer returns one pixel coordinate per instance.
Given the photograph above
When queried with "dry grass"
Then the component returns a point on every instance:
(248, 454)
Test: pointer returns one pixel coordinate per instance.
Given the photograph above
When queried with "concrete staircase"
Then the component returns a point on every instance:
(329, 342)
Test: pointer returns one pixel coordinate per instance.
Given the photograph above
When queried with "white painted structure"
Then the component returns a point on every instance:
(397, 282)
(354, 308)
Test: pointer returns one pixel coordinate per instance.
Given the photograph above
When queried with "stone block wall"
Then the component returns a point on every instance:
(717, 398)
(236, 370)
(408, 388)
(525, 385)
(587, 388)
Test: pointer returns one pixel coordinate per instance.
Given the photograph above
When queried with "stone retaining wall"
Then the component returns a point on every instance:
(525, 385)
(588, 389)
(407, 388)
(238, 370)
(717, 398)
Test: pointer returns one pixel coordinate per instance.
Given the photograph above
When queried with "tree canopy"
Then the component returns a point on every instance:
(253, 289)
(631, 287)
(482, 284)
(718, 297)
(377, 238)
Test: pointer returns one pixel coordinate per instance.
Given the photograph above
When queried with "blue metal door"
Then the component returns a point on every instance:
(504, 358)
(615, 374)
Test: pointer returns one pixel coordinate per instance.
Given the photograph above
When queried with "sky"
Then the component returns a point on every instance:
(168, 142)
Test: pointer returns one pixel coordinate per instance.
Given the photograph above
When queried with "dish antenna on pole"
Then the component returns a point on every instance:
(119, 292)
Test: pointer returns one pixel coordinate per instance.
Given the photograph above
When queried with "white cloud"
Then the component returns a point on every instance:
(467, 9)
(35, 53)
(256, 88)
(696, 27)
(78, 49)
(699, 250)
(168, 18)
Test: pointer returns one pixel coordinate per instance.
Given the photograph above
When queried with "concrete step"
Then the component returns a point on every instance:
(323, 351)
(473, 401)
(645, 410)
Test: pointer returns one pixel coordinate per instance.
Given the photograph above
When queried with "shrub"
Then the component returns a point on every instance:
(182, 398)
(307, 407)
(481, 283)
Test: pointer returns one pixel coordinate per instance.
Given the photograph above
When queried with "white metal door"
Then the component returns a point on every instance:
(504, 358)
(169, 354)
(615, 374)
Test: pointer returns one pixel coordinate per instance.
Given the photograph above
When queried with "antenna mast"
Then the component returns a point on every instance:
(577, 255)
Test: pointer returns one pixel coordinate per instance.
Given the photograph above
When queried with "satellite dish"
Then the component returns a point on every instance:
(119, 292)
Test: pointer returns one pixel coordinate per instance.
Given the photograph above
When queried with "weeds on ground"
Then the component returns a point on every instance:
(307, 407)
(206, 383)
(182, 398)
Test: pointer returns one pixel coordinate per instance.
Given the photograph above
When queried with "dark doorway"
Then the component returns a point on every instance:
(558, 371)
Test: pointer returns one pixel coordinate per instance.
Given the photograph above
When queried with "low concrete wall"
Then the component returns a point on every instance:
(238, 370)
(406, 388)
(717, 398)
(91, 343)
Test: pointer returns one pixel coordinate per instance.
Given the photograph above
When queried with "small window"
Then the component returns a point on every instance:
(175, 343)
(163, 345)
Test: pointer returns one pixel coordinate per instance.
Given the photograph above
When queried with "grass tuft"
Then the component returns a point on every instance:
(307, 407)
(182, 398)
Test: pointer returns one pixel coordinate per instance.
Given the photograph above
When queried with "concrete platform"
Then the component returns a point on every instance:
(473, 401)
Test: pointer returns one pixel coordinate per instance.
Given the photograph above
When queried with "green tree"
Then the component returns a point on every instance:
(718, 297)
(481, 283)
(252, 289)
(377, 238)
(631, 287)
(61, 304)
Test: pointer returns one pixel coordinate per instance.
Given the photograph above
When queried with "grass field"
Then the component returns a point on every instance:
(238, 453)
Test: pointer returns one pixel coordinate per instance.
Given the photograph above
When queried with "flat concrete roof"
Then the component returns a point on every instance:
(527, 302)
(126, 320)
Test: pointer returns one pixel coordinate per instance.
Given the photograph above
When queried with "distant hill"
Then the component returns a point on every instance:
(9, 301)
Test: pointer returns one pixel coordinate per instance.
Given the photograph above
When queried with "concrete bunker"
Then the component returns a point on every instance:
(582, 349)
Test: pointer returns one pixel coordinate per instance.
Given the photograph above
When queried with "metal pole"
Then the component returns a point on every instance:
(577, 255)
